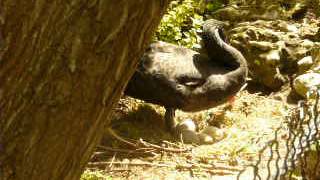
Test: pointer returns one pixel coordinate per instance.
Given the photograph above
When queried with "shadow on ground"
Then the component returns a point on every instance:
(143, 122)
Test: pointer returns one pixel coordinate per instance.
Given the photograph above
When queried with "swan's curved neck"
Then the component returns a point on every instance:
(221, 51)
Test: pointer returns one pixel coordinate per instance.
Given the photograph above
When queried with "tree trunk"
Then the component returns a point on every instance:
(63, 65)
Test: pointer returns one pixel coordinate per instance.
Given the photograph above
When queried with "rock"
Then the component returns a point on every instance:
(316, 61)
(229, 13)
(273, 48)
(292, 28)
(304, 64)
(307, 43)
(262, 45)
(272, 57)
(303, 83)
(269, 40)
(187, 124)
(214, 132)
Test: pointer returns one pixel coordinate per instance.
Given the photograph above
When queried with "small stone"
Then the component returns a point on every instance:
(304, 64)
(292, 28)
(272, 57)
(262, 45)
(303, 83)
(307, 43)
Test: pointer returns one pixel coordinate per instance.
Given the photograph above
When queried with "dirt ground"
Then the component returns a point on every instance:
(143, 149)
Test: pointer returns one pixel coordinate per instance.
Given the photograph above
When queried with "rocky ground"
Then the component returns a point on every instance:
(280, 40)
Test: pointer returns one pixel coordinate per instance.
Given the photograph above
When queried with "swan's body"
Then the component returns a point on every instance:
(179, 78)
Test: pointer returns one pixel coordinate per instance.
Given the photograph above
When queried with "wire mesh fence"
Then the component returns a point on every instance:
(294, 152)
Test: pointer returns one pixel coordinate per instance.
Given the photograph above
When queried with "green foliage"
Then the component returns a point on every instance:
(181, 23)
(94, 175)
(214, 5)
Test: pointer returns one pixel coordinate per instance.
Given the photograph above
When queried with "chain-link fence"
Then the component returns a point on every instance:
(294, 152)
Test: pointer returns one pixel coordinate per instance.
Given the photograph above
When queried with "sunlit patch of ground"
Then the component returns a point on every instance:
(248, 124)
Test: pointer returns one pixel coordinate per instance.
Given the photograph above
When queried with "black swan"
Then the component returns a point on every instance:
(180, 78)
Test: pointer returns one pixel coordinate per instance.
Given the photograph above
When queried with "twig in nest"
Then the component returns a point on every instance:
(135, 151)
(215, 166)
(171, 144)
(145, 145)
(117, 170)
(176, 166)
(109, 170)
(115, 135)
(98, 164)
(99, 153)
(113, 158)
(175, 150)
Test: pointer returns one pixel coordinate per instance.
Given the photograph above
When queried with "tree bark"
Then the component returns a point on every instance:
(63, 65)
